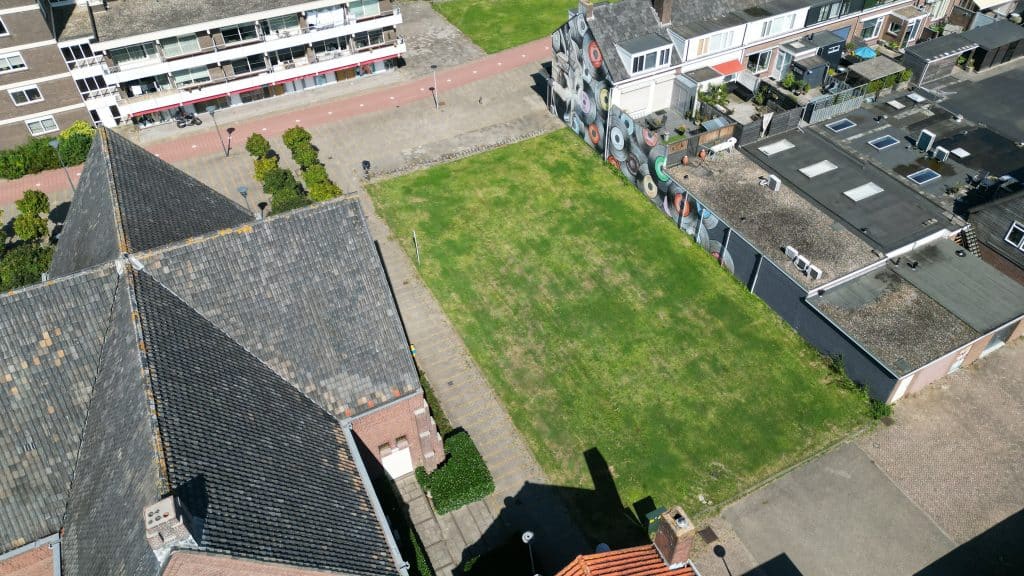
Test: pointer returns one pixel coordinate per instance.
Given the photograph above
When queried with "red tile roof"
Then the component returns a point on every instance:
(730, 67)
(638, 561)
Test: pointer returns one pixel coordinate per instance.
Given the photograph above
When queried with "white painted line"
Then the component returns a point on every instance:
(263, 129)
(499, 63)
(297, 120)
(392, 97)
(474, 71)
(449, 80)
(361, 105)
(422, 89)
(330, 112)
(194, 146)
(524, 55)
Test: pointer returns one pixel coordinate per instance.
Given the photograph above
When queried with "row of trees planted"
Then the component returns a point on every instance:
(285, 191)
(37, 155)
(24, 259)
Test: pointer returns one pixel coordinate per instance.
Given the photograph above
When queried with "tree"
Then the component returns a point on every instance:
(75, 141)
(33, 202)
(23, 265)
(295, 135)
(305, 155)
(29, 227)
(261, 166)
(287, 200)
(257, 146)
(278, 180)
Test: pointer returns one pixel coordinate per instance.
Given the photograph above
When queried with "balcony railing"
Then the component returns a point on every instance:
(100, 92)
(85, 62)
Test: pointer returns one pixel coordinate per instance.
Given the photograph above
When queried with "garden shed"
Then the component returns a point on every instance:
(998, 42)
(934, 60)
(873, 69)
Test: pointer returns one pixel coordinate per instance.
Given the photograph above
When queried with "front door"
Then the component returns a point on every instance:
(782, 62)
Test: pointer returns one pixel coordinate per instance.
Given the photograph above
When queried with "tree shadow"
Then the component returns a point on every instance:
(564, 521)
(781, 565)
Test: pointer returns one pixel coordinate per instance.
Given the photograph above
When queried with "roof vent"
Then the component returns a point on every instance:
(774, 183)
(940, 153)
(925, 140)
(165, 528)
(802, 263)
(791, 253)
(814, 272)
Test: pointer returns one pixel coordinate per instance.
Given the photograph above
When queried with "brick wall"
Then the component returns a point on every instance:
(184, 563)
(409, 419)
(35, 562)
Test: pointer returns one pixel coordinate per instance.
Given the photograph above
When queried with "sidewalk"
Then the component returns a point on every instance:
(204, 141)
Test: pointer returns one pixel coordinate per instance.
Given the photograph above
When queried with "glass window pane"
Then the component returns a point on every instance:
(1016, 235)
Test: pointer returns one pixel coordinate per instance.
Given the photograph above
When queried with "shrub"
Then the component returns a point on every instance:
(74, 148)
(879, 409)
(287, 200)
(24, 265)
(462, 479)
(12, 164)
(321, 191)
(33, 202)
(315, 174)
(257, 146)
(440, 418)
(296, 135)
(280, 181)
(262, 166)
(39, 155)
(305, 155)
(30, 227)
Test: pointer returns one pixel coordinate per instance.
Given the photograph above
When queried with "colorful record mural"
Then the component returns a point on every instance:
(581, 97)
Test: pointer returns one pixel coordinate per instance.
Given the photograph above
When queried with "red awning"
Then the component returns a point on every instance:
(727, 68)
(161, 108)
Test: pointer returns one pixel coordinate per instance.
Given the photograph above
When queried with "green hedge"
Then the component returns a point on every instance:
(23, 265)
(462, 479)
(296, 135)
(36, 155)
(257, 146)
(440, 418)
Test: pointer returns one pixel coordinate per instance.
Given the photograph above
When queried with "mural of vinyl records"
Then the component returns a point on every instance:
(648, 186)
(617, 142)
(710, 220)
(594, 54)
(587, 106)
(627, 124)
(595, 133)
(631, 165)
(602, 99)
(649, 138)
(557, 43)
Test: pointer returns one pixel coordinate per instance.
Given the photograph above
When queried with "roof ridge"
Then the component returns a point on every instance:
(92, 396)
(51, 281)
(108, 163)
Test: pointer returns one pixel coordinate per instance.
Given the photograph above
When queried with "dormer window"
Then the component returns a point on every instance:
(1016, 235)
(651, 60)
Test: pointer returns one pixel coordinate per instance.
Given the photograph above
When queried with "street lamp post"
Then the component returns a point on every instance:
(527, 537)
(244, 192)
(55, 144)
(211, 111)
(437, 105)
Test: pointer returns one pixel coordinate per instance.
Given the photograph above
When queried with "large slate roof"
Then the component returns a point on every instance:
(122, 212)
(620, 23)
(119, 391)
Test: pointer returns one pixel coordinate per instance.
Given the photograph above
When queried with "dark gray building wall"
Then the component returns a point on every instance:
(787, 299)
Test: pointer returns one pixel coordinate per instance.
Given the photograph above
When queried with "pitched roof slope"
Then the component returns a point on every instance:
(144, 201)
(992, 222)
(248, 453)
(637, 561)
(325, 319)
(621, 22)
(118, 475)
(49, 357)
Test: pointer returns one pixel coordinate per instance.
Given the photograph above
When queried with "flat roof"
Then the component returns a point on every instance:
(923, 305)
(692, 18)
(891, 219)
(942, 47)
(875, 68)
(996, 34)
(127, 18)
(729, 185)
(645, 43)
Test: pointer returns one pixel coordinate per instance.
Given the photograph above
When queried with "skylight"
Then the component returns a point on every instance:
(924, 176)
(883, 142)
(818, 168)
(863, 191)
(840, 125)
(776, 147)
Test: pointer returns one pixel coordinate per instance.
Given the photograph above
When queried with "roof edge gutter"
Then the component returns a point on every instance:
(400, 564)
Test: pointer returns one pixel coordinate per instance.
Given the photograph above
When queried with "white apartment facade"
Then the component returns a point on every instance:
(226, 54)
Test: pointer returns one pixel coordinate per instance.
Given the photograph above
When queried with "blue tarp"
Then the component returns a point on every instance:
(865, 52)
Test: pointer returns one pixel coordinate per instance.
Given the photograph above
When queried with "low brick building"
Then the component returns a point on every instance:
(191, 379)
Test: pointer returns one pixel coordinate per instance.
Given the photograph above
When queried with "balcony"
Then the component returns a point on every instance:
(100, 93)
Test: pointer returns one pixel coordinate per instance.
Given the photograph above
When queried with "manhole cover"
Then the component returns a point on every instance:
(708, 534)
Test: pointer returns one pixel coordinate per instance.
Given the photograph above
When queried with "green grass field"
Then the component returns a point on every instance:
(495, 25)
(601, 325)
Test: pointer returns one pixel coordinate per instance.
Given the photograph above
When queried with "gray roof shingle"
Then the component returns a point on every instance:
(267, 470)
(165, 206)
(992, 223)
(49, 356)
(316, 268)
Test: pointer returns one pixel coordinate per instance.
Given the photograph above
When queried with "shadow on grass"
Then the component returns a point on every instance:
(594, 517)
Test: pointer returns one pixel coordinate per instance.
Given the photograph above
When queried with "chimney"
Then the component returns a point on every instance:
(165, 528)
(664, 10)
(674, 537)
(588, 7)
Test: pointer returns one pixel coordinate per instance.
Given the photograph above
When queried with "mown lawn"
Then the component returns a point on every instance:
(601, 325)
(495, 25)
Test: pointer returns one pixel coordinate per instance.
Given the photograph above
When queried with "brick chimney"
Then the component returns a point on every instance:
(166, 529)
(663, 8)
(674, 537)
(587, 6)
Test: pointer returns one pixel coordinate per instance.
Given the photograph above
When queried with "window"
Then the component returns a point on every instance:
(758, 62)
(833, 10)
(191, 76)
(870, 29)
(326, 17)
(178, 45)
(895, 27)
(1016, 235)
(330, 45)
(651, 60)
(3, 28)
(73, 53)
(863, 191)
(42, 125)
(25, 95)
(818, 168)
(133, 53)
(240, 33)
(253, 63)
(11, 62)
(363, 8)
(279, 23)
(715, 42)
(287, 55)
(778, 25)
(371, 38)
(90, 84)
(663, 57)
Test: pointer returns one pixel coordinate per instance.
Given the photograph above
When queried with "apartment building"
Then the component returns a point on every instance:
(41, 96)
(647, 45)
(140, 61)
